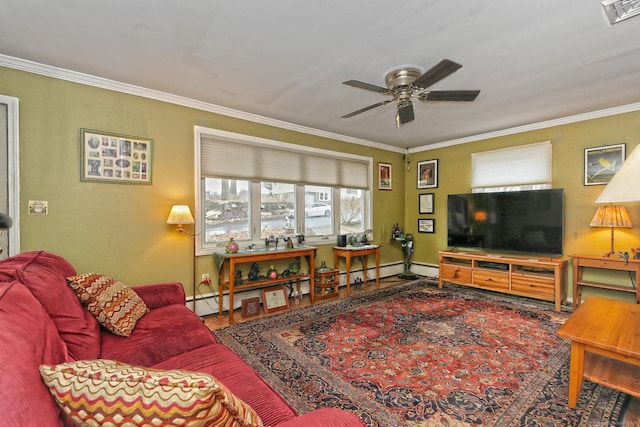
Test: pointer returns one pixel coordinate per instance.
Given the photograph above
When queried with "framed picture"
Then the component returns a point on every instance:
(601, 163)
(384, 176)
(275, 299)
(425, 203)
(250, 307)
(427, 225)
(115, 158)
(428, 174)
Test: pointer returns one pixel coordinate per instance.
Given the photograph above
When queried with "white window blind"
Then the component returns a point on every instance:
(243, 157)
(515, 166)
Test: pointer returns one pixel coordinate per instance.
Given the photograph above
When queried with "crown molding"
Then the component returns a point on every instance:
(99, 82)
(533, 126)
(89, 80)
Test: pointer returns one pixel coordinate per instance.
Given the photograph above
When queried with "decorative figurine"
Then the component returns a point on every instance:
(254, 272)
(272, 273)
(232, 246)
(238, 278)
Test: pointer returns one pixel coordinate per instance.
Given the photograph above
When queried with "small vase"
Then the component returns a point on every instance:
(232, 247)
(272, 273)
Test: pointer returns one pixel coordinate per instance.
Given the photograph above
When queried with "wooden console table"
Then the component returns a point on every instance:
(582, 262)
(243, 257)
(533, 277)
(605, 345)
(348, 252)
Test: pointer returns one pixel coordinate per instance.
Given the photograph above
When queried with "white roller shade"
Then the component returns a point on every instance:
(522, 165)
(264, 160)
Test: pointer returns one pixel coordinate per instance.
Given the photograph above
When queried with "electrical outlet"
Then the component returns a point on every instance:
(206, 279)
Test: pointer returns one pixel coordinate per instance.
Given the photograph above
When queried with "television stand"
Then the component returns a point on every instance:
(539, 278)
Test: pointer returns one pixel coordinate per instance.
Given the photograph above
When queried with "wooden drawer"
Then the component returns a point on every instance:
(534, 285)
(455, 273)
(491, 279)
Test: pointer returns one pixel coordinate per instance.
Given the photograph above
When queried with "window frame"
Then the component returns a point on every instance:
(204, 248)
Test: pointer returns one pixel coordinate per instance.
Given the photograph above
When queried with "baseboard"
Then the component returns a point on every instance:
(207, 304)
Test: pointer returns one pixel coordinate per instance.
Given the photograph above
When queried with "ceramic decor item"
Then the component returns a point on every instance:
(272, 273)
(231, 247)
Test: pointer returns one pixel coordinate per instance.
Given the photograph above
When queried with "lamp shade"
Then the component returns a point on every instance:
(611, 216)
(625, 184)
(180, 214)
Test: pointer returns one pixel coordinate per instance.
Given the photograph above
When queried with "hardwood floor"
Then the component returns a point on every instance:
(213, 322)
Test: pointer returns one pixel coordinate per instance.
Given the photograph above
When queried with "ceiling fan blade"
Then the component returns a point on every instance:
(405, 113)
(449, 95)
(436, 73)
(367, 86)
(370, 107)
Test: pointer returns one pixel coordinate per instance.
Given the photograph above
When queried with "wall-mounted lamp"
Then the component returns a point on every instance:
(180, 215)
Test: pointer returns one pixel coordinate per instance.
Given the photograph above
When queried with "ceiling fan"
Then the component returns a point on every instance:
(407, 83)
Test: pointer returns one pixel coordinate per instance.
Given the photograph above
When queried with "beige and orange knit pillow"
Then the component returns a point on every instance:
(106, 392)
(114, 305)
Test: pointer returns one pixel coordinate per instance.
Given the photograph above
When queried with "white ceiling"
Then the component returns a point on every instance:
(286, 60)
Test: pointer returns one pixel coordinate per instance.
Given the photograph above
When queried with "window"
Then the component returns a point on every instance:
(251, 188)
(525, 167)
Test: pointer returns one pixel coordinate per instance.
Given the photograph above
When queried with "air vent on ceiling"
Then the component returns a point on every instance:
(619, 10)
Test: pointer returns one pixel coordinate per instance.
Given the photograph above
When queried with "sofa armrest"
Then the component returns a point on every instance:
(325, 417)
(161, 294)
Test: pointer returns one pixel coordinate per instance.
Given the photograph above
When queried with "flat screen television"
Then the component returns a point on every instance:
(516, 221)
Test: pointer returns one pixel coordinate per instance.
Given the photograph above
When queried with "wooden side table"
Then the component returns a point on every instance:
(582, 262)
(348, 252)
(326, 284)
(605, 346)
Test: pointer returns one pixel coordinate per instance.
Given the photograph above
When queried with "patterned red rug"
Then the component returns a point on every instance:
(417, 355)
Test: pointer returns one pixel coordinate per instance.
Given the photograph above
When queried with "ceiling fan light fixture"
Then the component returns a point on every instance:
(619, 10)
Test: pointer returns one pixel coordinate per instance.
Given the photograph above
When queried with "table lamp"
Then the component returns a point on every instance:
(623, 187)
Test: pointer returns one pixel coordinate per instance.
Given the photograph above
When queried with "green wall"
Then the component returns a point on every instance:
(568, 144)
(120, 229)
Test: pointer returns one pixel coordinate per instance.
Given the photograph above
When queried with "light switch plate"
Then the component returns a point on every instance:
(38, 207)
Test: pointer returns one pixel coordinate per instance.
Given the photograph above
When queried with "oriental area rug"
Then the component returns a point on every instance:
(416, 355)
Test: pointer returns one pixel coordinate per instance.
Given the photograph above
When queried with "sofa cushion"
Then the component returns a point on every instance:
(97, 392)
(28, 338)
(44, 274)
(114, 305)
(162, 333)
(221, 362)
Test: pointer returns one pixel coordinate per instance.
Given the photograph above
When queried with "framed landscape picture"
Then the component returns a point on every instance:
(601, 163)
(428, 174)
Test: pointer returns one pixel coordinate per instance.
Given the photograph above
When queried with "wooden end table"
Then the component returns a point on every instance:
(605, 345)
(348, 252)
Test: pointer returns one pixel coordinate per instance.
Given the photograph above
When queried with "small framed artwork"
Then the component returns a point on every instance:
(601, 163)
(428, 174)
(425, 203)
(275, 299)
(250, 307)
(427, 225)
(115, 158)
(384, 176)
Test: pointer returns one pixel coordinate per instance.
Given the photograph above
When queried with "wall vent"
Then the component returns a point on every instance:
(619, 10)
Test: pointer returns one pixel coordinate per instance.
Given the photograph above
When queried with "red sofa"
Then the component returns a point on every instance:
(43, 322)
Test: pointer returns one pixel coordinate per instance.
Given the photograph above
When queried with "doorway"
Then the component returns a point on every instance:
(9, 175)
